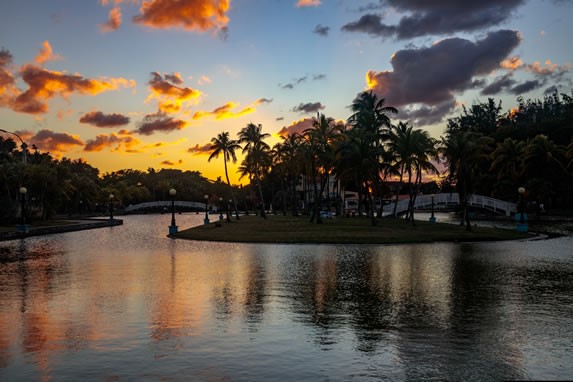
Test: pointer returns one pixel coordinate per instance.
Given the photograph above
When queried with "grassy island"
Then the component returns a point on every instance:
(288, 229)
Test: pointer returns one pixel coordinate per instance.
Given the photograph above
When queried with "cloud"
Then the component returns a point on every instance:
(226, 111)
(310, 107)
(525, 87)
(204, 80)
(48, 140)
(191, 15)
(543, 73)
(318, 77)
(120, 141)
(170, 163)
(7, 88)
(294, 82)
(113, 20)
(46, 54)
(159, 122)
(512, 63)
(174, 78)
(427, 115)
(296, 127)
(321, 30)
(200, 150)
(99, 119)
(279, 118)
(433, 75)
(45, 84)
(170, 96)
(499, 85)
(308, 3)
(437, 17)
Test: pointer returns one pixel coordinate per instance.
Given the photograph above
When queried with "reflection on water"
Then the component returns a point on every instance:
(126, 303)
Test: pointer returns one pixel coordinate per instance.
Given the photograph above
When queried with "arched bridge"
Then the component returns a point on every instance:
(445, 200)
(195, 206)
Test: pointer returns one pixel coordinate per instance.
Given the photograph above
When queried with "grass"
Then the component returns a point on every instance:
(288, 229)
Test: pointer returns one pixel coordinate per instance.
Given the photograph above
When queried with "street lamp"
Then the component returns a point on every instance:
(23, 145)
(23, 227)
(220, 208)
(173, 226)
(206, 220)
(111, 207)
(81, 203)
(229, 211)
(522, 225)
(432, 218)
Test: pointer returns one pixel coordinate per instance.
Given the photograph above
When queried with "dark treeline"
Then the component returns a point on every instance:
(485, 151)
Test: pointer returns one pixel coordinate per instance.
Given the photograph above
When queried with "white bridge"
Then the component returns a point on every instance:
(445, 200)
(167, 204)
(440, 201)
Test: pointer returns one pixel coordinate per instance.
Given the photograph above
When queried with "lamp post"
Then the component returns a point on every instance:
(432, 217)
(220, 208)
(111, 196)
(522, 224)
(22, 227)
(229, 211)
(81, 203)
(23, 145)
(173, 226)
(206, 220)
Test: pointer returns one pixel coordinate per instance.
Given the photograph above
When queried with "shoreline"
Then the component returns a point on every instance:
(69, 225)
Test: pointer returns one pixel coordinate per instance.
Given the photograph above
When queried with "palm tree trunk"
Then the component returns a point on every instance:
(398, 191)
(231, 188)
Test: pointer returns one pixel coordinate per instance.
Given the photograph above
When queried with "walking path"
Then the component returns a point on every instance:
(67, 225)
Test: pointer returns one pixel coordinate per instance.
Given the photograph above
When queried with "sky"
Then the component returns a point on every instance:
(147, 84)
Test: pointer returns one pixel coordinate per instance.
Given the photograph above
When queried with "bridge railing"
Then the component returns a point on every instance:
(448, 199)
(166, 204)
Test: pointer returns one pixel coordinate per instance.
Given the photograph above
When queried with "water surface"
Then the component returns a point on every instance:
(126, 303)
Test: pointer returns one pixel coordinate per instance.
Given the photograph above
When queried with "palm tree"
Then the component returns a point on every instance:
(321, 138)
(543, 164)
(371, 116)
(258, 155)
(507, 162)
(463, 151)
(222, 144)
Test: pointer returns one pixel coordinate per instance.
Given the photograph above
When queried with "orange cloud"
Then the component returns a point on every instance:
(170, 97)
(99, 119)
(159, 122)
(200, 150)
(225, 111)
(46, 54)
(120, 141)
(48, 140)
(194, 15)
(113, 21)
(549, 68)
(44, 85)
(512, 63)
(7, 88)
(308, 3)
(296, 127)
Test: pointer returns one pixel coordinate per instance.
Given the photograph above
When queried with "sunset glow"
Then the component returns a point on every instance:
(147, 83)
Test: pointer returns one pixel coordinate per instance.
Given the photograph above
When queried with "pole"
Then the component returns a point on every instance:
(173, 210)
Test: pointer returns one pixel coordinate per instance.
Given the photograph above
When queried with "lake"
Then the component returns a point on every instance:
(127, 303)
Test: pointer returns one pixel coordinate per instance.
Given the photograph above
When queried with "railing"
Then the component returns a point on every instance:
(444, 200)
(166, 204)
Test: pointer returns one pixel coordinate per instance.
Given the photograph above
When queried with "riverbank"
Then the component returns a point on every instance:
(357, 230)
(55, 226)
